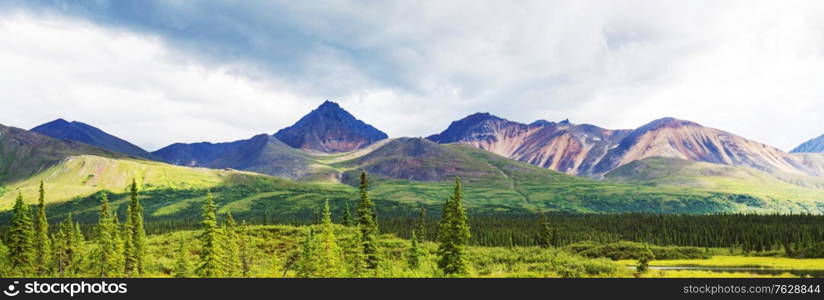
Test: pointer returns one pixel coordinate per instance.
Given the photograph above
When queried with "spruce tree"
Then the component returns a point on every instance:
(118, 259)
(67, 245)
(546, 233)
(59, 252)
(210, 265)
(368, 226)
(231, 249)
(346, 219)
(331, 261)
(308, 261)
(245, 251)
(413, 256)
(20, 239)
(79, 256)
(128, 243)
(136, 253)
(107, 242)
(454, 235)
(421, 226)
(42, 244)
(356, 263)
(183, 268)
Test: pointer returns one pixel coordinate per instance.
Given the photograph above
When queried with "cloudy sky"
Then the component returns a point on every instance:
(161, 71)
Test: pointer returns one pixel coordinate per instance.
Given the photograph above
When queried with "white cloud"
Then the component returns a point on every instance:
(129, 85)
(749, 67)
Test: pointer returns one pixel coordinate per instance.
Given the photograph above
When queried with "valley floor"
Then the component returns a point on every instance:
(274, 248)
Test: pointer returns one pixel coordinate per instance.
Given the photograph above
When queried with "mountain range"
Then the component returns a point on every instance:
(593, 151)
(510, 164)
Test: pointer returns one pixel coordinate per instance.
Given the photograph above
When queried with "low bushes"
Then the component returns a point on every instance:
(633, 250)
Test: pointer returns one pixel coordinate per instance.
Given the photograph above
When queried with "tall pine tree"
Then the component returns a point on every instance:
(546, 237)
(231, 249)
(413, 255)
(183, 268)
(331, 260)
(210, 265)
(368, 225)
(21, 239)
(346, 219)
(137, 252)
(421, 226)
(308, 262)
(79, 256)
(128, 243)
(246, 256)
(454, 235)
(108, 262)
(42, 244)
(118, 259)
(67, 245)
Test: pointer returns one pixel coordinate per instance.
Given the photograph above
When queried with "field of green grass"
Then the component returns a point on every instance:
(726, 261)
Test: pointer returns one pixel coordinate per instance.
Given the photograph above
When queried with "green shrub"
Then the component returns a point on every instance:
(814, 251)
(535, 261)
(633, 250)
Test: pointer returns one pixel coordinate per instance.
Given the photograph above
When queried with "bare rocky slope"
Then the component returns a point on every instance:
(593, 151)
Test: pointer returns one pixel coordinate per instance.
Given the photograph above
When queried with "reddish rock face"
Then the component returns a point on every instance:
(563, 146)
(330, 129)
(687, 140)
(591, 150)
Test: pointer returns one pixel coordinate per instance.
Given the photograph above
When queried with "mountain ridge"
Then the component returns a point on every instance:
(815, 145)
(590, 150)
(88, 134)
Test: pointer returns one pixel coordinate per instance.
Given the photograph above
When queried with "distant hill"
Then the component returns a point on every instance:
(195, 154)
(330, 129)
(418, 159)
(785, 192)
(262, 154)
(84, 133)
(24, 153)
(815, 145)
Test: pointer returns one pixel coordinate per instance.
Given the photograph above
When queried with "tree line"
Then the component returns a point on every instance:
(747, 232)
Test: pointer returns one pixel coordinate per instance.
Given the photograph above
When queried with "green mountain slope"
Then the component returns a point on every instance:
(770, 192)
(414, 171)
(24, 153)
(84, 175)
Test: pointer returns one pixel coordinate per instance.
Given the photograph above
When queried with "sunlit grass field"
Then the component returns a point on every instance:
(723, 261)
